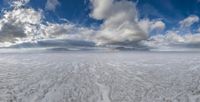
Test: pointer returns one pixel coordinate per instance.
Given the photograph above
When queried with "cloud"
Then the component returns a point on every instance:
(100, 8)
(19, 23)
(120, 22)
(187, 22)
(17, 3)
(58, 29)
(67, 31)
(122, 26)
(176, 39)
(158, 25)
(173, 40)
(51, 5)
(148, 26)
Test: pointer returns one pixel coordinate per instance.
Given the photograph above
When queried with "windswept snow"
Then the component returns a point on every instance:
(100, 77)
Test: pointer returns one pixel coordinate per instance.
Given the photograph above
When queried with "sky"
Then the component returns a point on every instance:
(142, 24)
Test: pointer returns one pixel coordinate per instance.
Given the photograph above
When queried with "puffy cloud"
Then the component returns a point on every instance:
(176, 39)
(148, 26)
(187, 22)
(145, 25)
(19, 23)
(52, 4)
(120, 22)
(158, 25)
(23, 15)
(101, 9)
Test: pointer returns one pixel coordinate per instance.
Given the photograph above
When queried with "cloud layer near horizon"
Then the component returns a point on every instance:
(121, 26)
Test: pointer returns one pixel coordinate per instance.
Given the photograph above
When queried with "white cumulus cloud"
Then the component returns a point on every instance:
(120, 22)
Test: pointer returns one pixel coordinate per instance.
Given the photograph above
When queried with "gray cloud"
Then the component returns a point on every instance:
(9, 32)
(18, 23)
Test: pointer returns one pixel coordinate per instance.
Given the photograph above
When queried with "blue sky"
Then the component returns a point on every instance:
(172, 11)
(75, 11)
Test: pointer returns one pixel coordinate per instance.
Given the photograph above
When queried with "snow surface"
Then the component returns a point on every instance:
(100, 77)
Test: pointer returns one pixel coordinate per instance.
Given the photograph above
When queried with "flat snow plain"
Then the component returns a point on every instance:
(100, 77)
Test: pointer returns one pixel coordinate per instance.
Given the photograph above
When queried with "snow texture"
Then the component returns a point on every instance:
(100, 77)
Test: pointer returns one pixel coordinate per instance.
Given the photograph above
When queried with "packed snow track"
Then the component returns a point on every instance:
(100, 77)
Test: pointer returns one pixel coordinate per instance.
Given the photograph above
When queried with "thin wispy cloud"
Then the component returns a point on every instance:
(187, 22)
(52, 5)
